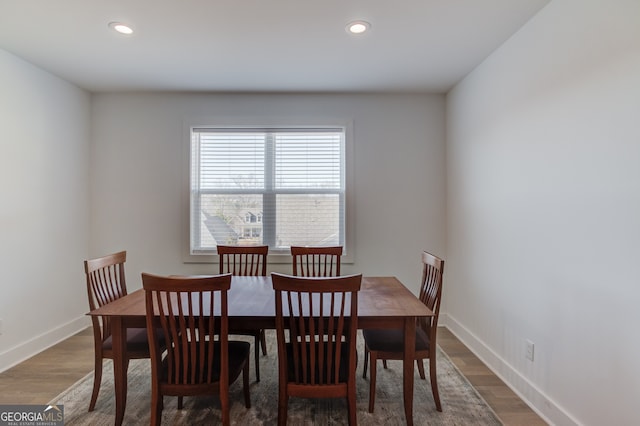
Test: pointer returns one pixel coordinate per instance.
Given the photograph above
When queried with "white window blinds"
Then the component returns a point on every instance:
(279, 187)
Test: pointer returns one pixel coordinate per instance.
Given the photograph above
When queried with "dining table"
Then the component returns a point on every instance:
(383, 302)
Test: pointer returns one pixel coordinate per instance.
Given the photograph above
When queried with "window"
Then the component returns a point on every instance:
(274, 186)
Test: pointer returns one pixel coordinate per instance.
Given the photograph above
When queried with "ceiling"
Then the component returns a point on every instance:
(260, 45)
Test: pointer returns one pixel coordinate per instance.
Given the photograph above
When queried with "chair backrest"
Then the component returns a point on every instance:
(184, 311)
(105, 283)
(316, 261)
(243, 260)
(431, 289)
(321, 315)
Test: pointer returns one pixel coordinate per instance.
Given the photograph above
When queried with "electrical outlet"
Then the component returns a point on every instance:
(529, 350)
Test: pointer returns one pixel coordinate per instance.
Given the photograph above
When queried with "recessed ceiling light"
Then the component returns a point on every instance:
(121, 28)
(358, 27)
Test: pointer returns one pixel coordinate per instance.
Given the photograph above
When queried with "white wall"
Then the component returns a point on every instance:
(44, 219)
(139, 193)
(543, 188)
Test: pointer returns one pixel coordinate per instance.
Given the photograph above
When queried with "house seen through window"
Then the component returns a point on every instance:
(279, 187)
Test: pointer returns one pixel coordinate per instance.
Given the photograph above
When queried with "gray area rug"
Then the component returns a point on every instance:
(461, 403)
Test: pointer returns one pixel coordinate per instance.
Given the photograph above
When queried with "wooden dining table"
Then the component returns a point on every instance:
(383, 302)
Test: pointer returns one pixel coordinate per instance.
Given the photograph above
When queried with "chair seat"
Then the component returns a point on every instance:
(343, 374)
(392, 340)
(245, 332)
(137, 340)
(238, 354)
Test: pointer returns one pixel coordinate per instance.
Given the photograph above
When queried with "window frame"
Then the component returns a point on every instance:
(272, 123)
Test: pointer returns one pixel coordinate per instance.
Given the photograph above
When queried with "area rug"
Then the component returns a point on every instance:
(461, 403)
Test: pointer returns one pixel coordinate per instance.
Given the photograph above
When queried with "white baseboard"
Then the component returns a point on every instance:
(31, 347)
(544, 406)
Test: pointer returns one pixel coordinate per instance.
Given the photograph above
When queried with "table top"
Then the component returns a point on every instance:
(253, 297)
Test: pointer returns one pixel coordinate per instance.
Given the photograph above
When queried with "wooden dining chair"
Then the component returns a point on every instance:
(191, 313)
(388, 344)
(243, 260)
(316, 326)
(105, 283)
(316, 261)
(246, 261)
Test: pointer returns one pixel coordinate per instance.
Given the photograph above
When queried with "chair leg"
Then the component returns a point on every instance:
(351, 403)
(156, 408)
(245, 385)
(434, 381)
(225, 406)
(384, 363)
(283, 401)
(372, 381)
(97, 379)
(256, 348)
(421, 368)
(180, 401)
(263, 342)
(366, 361)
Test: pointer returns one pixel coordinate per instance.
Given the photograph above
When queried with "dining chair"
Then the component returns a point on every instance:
(246, 261)
(388, 344)
(191, 314)
(316, 326)
(105, 283)
(316, 261)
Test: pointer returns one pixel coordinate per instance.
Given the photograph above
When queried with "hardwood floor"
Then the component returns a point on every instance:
(506, 404)
(44, 376)
(41, 378)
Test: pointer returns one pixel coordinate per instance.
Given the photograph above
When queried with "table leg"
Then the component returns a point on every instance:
(409, 355)
(119, 342)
